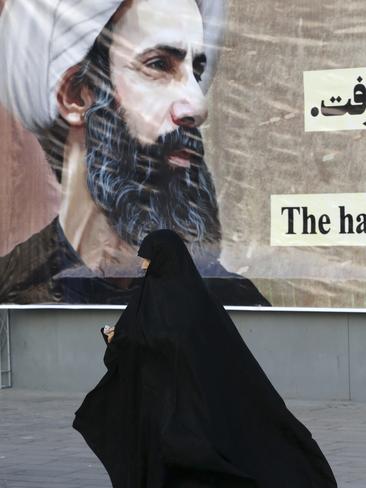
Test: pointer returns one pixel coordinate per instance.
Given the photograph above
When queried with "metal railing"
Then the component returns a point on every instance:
(5, 357)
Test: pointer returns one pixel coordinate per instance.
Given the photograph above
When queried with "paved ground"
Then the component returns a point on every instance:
(39, 448)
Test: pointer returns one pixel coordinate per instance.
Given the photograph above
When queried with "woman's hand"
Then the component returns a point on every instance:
(110, 335)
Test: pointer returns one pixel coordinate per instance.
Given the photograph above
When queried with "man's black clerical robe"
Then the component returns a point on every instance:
(46, 269)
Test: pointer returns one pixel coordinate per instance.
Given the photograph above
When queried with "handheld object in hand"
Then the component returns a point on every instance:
(107, 329)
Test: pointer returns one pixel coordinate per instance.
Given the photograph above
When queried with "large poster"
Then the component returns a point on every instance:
(238, 124)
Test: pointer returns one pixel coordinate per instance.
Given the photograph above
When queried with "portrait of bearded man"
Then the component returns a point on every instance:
(119, 120)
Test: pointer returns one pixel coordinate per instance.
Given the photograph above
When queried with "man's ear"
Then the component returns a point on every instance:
(73, 101)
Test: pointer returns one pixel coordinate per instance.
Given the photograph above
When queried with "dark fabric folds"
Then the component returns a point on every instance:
(184, 403)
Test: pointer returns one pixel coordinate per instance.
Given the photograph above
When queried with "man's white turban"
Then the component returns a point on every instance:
(41, 39)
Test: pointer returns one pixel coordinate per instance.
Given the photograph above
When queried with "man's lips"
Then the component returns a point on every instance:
(182, 157)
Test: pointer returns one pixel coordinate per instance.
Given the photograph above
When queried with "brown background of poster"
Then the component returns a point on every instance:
(29, 192)
(255, 146)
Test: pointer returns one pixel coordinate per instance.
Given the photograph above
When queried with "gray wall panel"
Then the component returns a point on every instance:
(305, 355)
(357, 336)
(58, 350)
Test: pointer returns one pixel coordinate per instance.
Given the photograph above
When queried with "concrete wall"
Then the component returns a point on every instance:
(306, 355)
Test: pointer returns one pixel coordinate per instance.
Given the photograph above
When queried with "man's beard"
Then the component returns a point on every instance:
(139, 191)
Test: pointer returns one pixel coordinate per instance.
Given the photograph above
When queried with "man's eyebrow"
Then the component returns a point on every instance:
(175, 52)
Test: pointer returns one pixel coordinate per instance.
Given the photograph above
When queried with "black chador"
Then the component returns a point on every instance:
(184, 403)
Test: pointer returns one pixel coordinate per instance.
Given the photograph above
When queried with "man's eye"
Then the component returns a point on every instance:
(198, 70)
(158, 64)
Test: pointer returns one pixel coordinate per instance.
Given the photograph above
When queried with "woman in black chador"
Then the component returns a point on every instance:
(184, 403)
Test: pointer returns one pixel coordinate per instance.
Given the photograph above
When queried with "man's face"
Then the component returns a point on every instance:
(157, 57)
(144, 151)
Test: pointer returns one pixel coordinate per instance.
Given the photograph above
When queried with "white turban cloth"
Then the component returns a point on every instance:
(41, 39)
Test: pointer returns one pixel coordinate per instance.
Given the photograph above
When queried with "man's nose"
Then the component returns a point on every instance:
(188, 114)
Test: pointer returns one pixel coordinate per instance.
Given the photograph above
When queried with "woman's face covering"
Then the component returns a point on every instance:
(168, 255)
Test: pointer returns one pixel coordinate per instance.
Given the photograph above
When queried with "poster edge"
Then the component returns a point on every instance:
(227, 307)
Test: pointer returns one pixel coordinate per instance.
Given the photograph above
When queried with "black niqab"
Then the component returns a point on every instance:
(184, 403)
